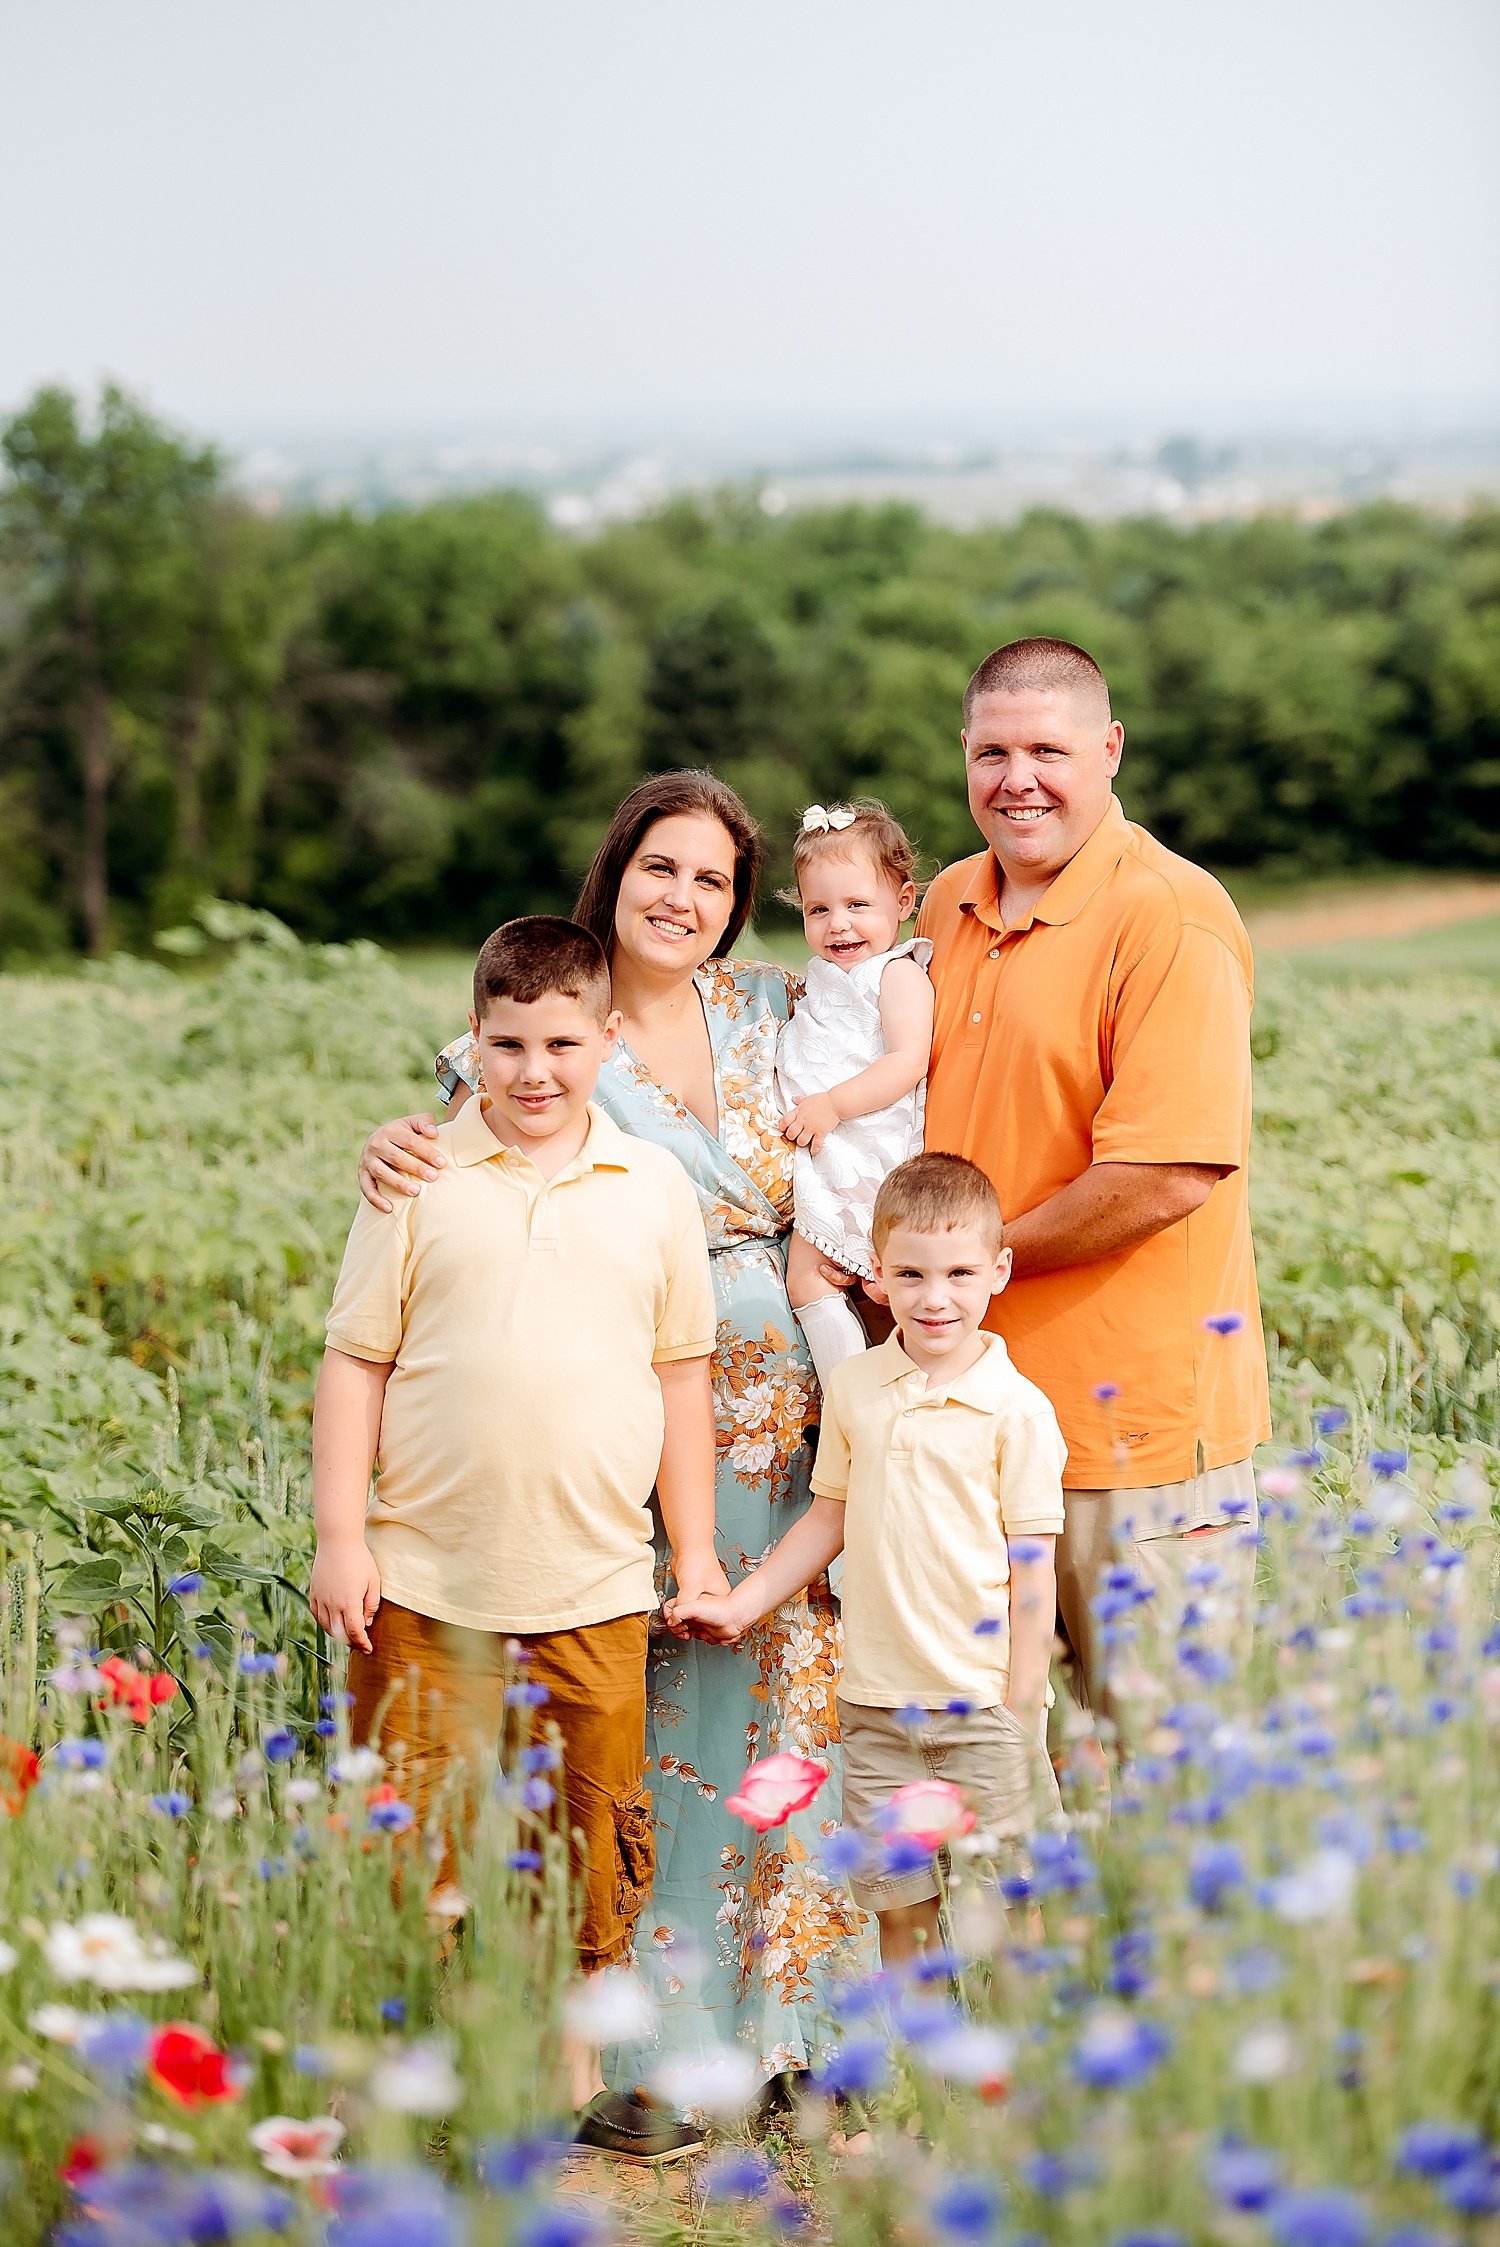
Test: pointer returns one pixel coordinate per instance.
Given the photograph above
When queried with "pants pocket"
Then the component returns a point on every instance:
(635, 1854)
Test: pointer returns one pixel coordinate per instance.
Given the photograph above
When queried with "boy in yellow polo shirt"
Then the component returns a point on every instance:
(934, 1454)
(521, 1352)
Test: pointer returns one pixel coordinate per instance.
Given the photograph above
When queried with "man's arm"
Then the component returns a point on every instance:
(345, 1589)
(685, 1478)
(1113, 1206)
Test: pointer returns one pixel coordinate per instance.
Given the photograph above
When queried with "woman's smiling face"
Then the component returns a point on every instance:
(677, 894)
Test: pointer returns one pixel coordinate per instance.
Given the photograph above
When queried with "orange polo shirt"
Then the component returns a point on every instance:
(1111, 1025)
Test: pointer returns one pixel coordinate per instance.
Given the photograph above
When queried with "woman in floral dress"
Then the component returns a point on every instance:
(741, 1931)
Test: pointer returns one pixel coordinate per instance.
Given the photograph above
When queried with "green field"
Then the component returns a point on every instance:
(1278, 1950)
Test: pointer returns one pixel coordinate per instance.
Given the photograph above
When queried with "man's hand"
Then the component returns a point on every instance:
(345, 1590)
(716, 1619)
(808, 1122)
(699, 1575)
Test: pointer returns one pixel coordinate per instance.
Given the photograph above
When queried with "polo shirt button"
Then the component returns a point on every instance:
(976, 1018)
(994, 951)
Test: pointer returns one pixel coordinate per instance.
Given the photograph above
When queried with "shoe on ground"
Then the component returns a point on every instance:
(623, 2130)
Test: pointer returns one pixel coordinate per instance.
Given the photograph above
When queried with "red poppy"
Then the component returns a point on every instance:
(84, 2158)
(139, 1691)
(19, 1771)
(185, 2063)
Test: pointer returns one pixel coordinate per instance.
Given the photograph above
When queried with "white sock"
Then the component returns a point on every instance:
(833, 1333)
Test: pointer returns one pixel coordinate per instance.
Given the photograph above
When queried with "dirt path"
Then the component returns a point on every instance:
(1402, 910)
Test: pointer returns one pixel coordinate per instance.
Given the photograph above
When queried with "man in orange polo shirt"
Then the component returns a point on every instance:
(1091, 1052)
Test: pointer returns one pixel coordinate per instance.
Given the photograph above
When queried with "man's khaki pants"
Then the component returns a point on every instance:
(1190, 1548)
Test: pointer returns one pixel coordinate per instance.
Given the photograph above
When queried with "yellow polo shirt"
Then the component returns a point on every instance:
(522, 1426)
(933, 1482)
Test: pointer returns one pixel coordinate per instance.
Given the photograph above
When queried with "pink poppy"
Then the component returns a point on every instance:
(930, 1812)
(773, 1788)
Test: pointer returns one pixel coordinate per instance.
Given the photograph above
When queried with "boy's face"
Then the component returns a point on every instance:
(539, 1064)
(941, 1284)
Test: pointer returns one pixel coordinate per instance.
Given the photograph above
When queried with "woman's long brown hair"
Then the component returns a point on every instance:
(668, 795)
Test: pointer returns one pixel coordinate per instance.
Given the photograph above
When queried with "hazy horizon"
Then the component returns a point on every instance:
(479, 217)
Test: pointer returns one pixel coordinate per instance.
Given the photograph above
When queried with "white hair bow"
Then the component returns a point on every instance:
(817, 821)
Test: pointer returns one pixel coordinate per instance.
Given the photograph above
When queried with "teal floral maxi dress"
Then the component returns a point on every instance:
(741, 1932)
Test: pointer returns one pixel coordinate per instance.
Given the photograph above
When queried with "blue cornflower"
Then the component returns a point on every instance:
(853, 2069)
(1150, 2238)
(390, 1817)
(253, 1664)
(958, 1708)
(184, 1586)
(1254, 1972)
(81, 1755)
(405, 2208)
(511, 2164)
(174, 1804)
(393, 2011)
(1387, 1463)
(1216, 1870)
(1026, 1549)
(114, 2043)
(937, 1965)
(737, 2174)
(1431, 2149)
(1319, 2217)
(901, 1854)
(524, 1695)
(524, 1860)
(326, 1729)
(331, 1703)
(1329, 1419)
(538, 1794)
(544, 1756)
(308, 2060)
(563, 2224)
(203, 1652)
(1118, 2049)
(1051, 2175)
(280, 1745)
(1244, 2177)
(1060, 1864)
(1130, 1962)
(987, 1627)
(967, 2208)
(1105, 1392)
(1474, 2190)
(912, 1715)
(1224, 1322)
(271, 1868)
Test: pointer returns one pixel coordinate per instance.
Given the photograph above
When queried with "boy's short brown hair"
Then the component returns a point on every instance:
(933, 1194)
(537, 956)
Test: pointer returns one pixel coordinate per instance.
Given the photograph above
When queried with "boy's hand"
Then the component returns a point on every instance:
(715, 1619)
(699, 1574)
(808, 1122)
(345, 1590)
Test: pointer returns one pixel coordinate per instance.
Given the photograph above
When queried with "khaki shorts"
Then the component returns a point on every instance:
(1001, 1767)
(1191, 1544)
(447, 1706)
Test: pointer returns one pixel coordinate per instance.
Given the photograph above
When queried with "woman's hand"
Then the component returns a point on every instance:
(808, 1122)
(399, 1158)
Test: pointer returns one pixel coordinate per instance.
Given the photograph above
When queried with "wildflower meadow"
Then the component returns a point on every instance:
(1250, 1994)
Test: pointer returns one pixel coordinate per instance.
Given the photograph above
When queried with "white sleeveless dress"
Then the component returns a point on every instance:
(834, 1032)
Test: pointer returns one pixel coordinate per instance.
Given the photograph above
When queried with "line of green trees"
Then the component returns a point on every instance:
(412, 724)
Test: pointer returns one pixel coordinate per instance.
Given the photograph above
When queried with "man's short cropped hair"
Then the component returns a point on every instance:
(934, 1194)
(1038, 667)
(537, 957)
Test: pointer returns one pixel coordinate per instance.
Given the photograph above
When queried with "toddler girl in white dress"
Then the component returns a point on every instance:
(851, 1064)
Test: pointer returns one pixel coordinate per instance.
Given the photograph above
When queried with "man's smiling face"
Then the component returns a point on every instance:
(1039, 766)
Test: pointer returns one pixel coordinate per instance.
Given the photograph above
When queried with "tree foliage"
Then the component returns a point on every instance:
(413, 724)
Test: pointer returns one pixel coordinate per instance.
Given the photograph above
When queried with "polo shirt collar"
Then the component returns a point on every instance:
(606, 1148)
(982, 1384)
(1068, 893)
